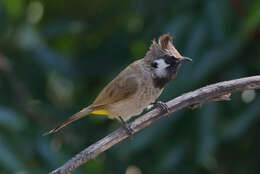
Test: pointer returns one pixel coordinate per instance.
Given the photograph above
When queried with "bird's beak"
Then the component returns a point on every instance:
(186, 59)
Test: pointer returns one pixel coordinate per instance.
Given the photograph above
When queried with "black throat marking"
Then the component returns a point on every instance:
(160, 82)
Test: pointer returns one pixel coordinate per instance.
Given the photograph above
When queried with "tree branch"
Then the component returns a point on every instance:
(20, 91)
(197, 97)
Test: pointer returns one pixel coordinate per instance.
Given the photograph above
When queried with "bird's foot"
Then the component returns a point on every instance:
(127, 127)
(163, 106)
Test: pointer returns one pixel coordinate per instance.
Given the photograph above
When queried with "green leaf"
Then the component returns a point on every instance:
(14, 8)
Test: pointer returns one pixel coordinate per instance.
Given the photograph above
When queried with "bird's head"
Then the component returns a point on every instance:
(164, 60)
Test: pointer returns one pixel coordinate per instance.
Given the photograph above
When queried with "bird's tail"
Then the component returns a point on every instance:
(84, 112)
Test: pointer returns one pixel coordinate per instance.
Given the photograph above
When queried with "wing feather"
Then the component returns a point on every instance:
(122, 87)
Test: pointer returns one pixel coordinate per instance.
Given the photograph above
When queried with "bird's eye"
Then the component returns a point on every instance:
(154, 64)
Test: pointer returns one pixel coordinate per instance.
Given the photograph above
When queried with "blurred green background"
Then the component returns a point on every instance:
(56, 55)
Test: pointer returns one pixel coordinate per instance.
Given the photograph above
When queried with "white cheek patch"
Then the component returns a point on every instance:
(160, 71)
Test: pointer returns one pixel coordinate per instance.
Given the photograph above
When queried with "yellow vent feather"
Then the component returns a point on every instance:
(100, 112)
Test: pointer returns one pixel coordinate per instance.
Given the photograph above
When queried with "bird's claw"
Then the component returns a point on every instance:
(163, 106)
(127, 127)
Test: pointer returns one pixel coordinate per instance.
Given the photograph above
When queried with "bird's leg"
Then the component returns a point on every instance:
(126, 126)
(163, 106)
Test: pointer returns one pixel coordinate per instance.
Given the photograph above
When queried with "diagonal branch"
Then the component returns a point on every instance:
(197, 97)
(16, 85)
(19, 89)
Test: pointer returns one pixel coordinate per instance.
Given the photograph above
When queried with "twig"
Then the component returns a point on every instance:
(20, 91)
(199, 96)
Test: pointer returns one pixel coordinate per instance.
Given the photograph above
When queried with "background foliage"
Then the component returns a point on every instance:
(56, 56)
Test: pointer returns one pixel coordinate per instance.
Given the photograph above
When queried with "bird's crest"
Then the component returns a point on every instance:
(163, 47)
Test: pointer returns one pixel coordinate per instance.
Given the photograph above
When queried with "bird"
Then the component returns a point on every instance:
(137, 86)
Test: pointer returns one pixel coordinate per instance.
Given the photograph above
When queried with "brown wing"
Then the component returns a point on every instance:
(122, 87)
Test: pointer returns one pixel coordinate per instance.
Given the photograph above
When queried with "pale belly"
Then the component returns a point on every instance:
(134, 105)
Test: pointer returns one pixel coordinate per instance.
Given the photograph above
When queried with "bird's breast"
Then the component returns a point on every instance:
(134, 105)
